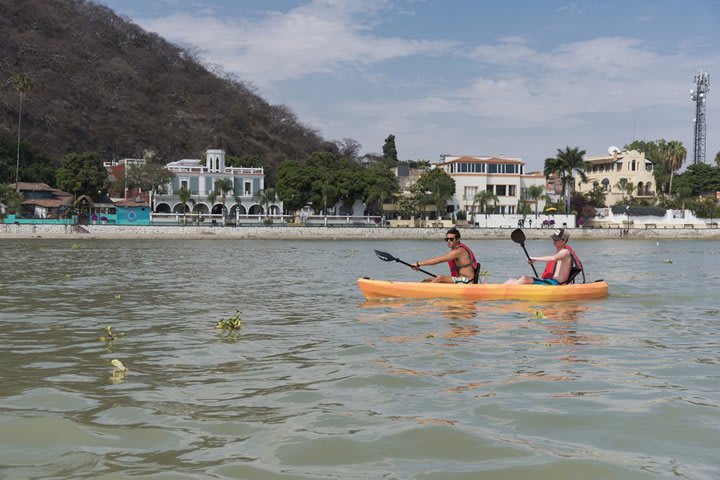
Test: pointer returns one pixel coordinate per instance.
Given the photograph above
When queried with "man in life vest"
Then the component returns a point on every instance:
(460, 258)
(557, 270)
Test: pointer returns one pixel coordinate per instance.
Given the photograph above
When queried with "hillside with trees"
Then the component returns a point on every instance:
(101, 83)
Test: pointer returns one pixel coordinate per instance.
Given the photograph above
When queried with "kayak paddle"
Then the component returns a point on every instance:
(389, 258)
(519, 237)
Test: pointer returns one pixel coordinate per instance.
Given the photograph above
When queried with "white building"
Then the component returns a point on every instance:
(201, 180)
(504, 177)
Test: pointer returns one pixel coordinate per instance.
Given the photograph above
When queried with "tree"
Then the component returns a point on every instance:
(185, 196)
(534, 192)
(482, 200)
(10, 197)
(265, 197)
(567, 162)
(224, 185)
(411, 201)
(148, 177)
(674, 154)
(23, 85)
(625, 186)
(390, 154)
(717, 159)
(82, 174)
(440, 186)
(380, 184)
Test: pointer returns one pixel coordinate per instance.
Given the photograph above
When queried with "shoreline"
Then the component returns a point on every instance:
(13, 231)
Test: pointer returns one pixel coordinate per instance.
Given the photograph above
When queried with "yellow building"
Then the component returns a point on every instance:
(608, 172)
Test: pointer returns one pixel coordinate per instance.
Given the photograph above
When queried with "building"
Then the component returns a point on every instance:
(504, 177)
(42, 201)
(617, 169)
(202, 181)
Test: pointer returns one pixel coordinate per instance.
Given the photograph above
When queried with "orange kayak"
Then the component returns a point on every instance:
(374, 289)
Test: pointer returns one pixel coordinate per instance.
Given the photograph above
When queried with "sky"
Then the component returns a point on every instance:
(510, 78)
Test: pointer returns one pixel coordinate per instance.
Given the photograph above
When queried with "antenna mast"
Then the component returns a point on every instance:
(702, 86)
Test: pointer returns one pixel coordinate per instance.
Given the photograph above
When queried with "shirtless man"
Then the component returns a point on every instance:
(558, 266)
(460, 258)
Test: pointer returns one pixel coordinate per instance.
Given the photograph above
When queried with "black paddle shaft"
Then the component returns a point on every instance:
(519, 237)
(389, 258)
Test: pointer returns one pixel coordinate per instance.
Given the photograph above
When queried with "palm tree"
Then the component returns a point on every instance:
(674, 153)
(625, 186)
(224, 185)
(211, 197)
(185, 196)
(567, 163)
(534, 192)
(10, 198)
(265, 197)
(482, 200)
(23, 84)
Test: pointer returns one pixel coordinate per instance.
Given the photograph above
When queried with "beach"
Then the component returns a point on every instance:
(8, 231)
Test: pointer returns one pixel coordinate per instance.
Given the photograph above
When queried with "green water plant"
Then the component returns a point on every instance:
(110, 335)
(232, 324)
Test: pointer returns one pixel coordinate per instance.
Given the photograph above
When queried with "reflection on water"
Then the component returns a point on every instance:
(321, 384)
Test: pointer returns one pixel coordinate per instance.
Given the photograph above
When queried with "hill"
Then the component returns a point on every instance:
(102, 83)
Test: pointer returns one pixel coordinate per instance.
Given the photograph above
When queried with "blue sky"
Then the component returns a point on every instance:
(464, 77)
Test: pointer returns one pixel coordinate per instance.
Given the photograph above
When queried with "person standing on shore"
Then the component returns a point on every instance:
(462, 262)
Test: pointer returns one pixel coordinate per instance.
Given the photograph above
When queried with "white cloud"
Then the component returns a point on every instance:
(324, 36)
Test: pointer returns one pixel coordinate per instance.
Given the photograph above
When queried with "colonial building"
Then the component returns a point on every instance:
(618, 169)
(504, 177)
(42, 201)
(202, 180)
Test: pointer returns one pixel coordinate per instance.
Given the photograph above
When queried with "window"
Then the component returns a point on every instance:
(184, 184)
(492, 168)
(500, 190)
(511, 190)
(470, 193)
(248, 188)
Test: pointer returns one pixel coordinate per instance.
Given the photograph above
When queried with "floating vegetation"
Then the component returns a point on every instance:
(68, 275)
(110, 335)
(75, 246)
(119, 367)
(538, 314)
(667, 260)
(232, 324)
(117, 296)
(120, 371)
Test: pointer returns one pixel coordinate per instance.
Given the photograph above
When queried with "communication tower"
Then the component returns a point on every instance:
(702, 86)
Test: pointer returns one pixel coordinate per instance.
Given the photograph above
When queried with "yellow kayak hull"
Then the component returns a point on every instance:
(376, 289)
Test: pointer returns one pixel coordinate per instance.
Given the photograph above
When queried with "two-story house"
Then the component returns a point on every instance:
(503, 177)
(620, 174)
(202, 181)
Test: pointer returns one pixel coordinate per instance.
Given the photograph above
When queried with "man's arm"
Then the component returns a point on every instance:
(552, 258)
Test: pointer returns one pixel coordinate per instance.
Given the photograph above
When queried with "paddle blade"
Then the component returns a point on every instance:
(385, 256)
(518, 236)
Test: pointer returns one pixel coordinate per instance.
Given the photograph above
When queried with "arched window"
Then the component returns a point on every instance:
(606, 184)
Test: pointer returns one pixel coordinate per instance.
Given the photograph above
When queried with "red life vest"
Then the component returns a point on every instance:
(549, 271)
(455, 269)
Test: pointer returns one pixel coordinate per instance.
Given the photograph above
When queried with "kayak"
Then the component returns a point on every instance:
(374, 289)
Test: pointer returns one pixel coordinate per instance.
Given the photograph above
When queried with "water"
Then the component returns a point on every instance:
(322, 384)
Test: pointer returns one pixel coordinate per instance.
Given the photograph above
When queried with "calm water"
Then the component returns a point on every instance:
(322, 384)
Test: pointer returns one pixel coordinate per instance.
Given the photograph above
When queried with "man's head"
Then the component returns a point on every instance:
(560, 234)
(452, 237)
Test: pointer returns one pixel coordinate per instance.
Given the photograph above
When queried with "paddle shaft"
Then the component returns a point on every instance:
(419, 269)
(528, 257)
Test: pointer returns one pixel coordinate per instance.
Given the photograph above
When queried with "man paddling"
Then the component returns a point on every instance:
(460, 258)
(558, 266)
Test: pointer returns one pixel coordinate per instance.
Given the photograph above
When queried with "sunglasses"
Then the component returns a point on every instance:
(450, 239)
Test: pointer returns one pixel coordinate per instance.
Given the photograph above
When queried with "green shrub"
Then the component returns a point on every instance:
(639, 211)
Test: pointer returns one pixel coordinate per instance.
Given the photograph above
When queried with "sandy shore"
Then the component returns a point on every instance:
(9, 231)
